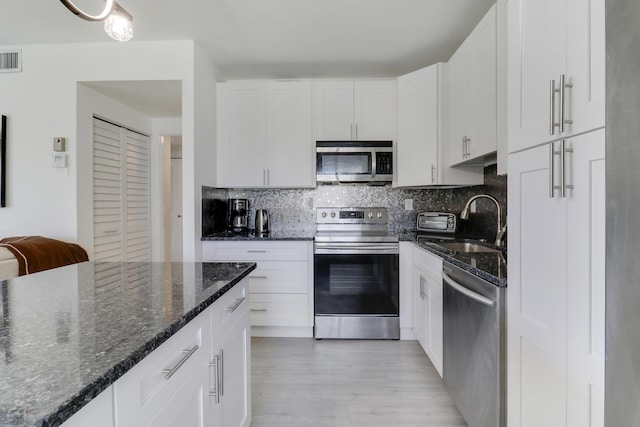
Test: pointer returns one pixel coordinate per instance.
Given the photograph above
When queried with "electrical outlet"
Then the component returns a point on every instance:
(58, 144)
(408, 204)
(59, 160)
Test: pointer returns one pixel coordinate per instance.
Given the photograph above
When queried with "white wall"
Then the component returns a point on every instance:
(41, 102)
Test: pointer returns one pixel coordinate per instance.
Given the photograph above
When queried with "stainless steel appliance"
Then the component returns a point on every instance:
(262, 221)
(474, 347)
(238, 215)
(356, 282)
(436, 222)
(368, 162)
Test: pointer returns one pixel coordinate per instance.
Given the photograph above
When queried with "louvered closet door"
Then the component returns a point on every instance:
(137, 238)
(120, 194)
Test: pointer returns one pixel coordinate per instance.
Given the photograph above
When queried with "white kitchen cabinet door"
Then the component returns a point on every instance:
(242, 134)
(557, 285)
(334, 110)
(547, 39)
(97, 413)
(419, 127)
(234, 352)
(537, 294)
(585, 65)
(428, 304)
(291, 148)
(473, 94)
(586, 280)
(374, 110)
(348, 111)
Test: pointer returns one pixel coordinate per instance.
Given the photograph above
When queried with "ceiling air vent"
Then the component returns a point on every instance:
(11, 61)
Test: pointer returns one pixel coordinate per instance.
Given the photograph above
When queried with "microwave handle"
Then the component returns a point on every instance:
(373, 164)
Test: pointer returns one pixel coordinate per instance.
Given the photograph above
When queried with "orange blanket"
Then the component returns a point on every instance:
(36, 253)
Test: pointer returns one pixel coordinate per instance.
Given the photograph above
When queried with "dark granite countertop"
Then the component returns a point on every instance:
(491, 267)
(294, 235)
(67, 334)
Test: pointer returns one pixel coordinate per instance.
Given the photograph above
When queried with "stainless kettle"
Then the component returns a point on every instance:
(262, 221)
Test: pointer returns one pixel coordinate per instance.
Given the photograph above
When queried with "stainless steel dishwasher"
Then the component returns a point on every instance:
(474, 346)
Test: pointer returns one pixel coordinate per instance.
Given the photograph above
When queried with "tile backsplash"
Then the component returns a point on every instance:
(295, 208)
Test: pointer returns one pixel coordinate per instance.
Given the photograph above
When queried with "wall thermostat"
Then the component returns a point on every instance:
(58, 143)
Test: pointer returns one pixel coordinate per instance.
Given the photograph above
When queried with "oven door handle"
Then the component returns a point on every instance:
(468, 292)
(363, 248)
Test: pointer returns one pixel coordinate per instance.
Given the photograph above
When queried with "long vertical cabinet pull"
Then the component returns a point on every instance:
(563, 87)
(563, 187)
(221, 373)
(552, 108)
(563, 176)
(433, 173)
(215, 384)
(562, 101)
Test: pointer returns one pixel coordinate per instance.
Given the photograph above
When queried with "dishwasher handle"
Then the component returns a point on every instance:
(467, 292)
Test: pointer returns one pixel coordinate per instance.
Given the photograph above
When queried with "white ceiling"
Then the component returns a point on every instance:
(270, 38)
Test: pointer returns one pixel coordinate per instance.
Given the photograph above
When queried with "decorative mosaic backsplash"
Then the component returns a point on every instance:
(295, 209)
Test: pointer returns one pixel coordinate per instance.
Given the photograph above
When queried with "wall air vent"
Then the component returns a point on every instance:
(11, 61)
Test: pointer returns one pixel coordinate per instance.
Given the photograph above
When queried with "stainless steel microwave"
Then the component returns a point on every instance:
(368, 162)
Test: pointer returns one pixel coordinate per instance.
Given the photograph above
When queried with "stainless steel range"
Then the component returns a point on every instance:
(356, 282)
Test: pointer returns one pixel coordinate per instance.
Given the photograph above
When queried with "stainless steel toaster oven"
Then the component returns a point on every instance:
(436, 222)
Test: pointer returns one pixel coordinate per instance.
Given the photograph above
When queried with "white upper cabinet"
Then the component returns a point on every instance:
(550, 41)
(355, 110)
(265, 134)
(290, 135)
(419, 153)
(419, 128)
(472, 94)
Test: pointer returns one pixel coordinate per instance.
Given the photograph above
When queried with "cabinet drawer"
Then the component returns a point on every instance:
(280, 277)
(230, 307)
(279, 310)
(255, 251)
(143, 391)
(427, 262)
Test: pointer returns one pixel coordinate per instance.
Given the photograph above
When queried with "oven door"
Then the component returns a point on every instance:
(356, 290)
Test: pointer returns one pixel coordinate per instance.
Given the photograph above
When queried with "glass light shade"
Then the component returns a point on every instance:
(119, 24)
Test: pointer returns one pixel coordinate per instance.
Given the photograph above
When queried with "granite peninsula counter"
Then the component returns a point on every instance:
(69, 333)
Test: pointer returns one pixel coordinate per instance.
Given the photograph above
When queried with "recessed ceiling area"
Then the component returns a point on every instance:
(272, 38)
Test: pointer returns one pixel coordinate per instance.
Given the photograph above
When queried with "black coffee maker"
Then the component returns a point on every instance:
(238, 215)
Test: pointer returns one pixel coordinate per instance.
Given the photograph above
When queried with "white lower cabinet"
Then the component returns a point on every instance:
(427, 308)
(98, 412)
(281, 286)
(556, 293)
(199, 377)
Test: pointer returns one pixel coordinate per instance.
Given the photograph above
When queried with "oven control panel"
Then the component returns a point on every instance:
(351, 216)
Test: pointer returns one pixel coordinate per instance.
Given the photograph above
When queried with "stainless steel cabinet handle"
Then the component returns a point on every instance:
(563, 86)
(563, 162)
(552, 165)
(468, 292)
(260, 310)
(433, 173)
(268, 178)
(421, 287)
(168, 373)
(552, 107)
(356, 131)
(257, 277)
(214, 391)
(235, 305)
(221, 372)
(255, 251)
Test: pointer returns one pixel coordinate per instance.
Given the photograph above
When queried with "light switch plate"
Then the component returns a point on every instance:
(58, 143)
(59, 160)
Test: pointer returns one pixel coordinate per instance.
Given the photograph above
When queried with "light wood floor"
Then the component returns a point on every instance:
(304, 382)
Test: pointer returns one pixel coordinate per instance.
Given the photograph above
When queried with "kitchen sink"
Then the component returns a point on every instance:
(467, 247)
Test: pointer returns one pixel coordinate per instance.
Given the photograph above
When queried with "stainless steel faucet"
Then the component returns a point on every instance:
(501, 229)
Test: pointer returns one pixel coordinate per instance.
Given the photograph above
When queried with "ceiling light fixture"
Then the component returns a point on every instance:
(118, 23)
